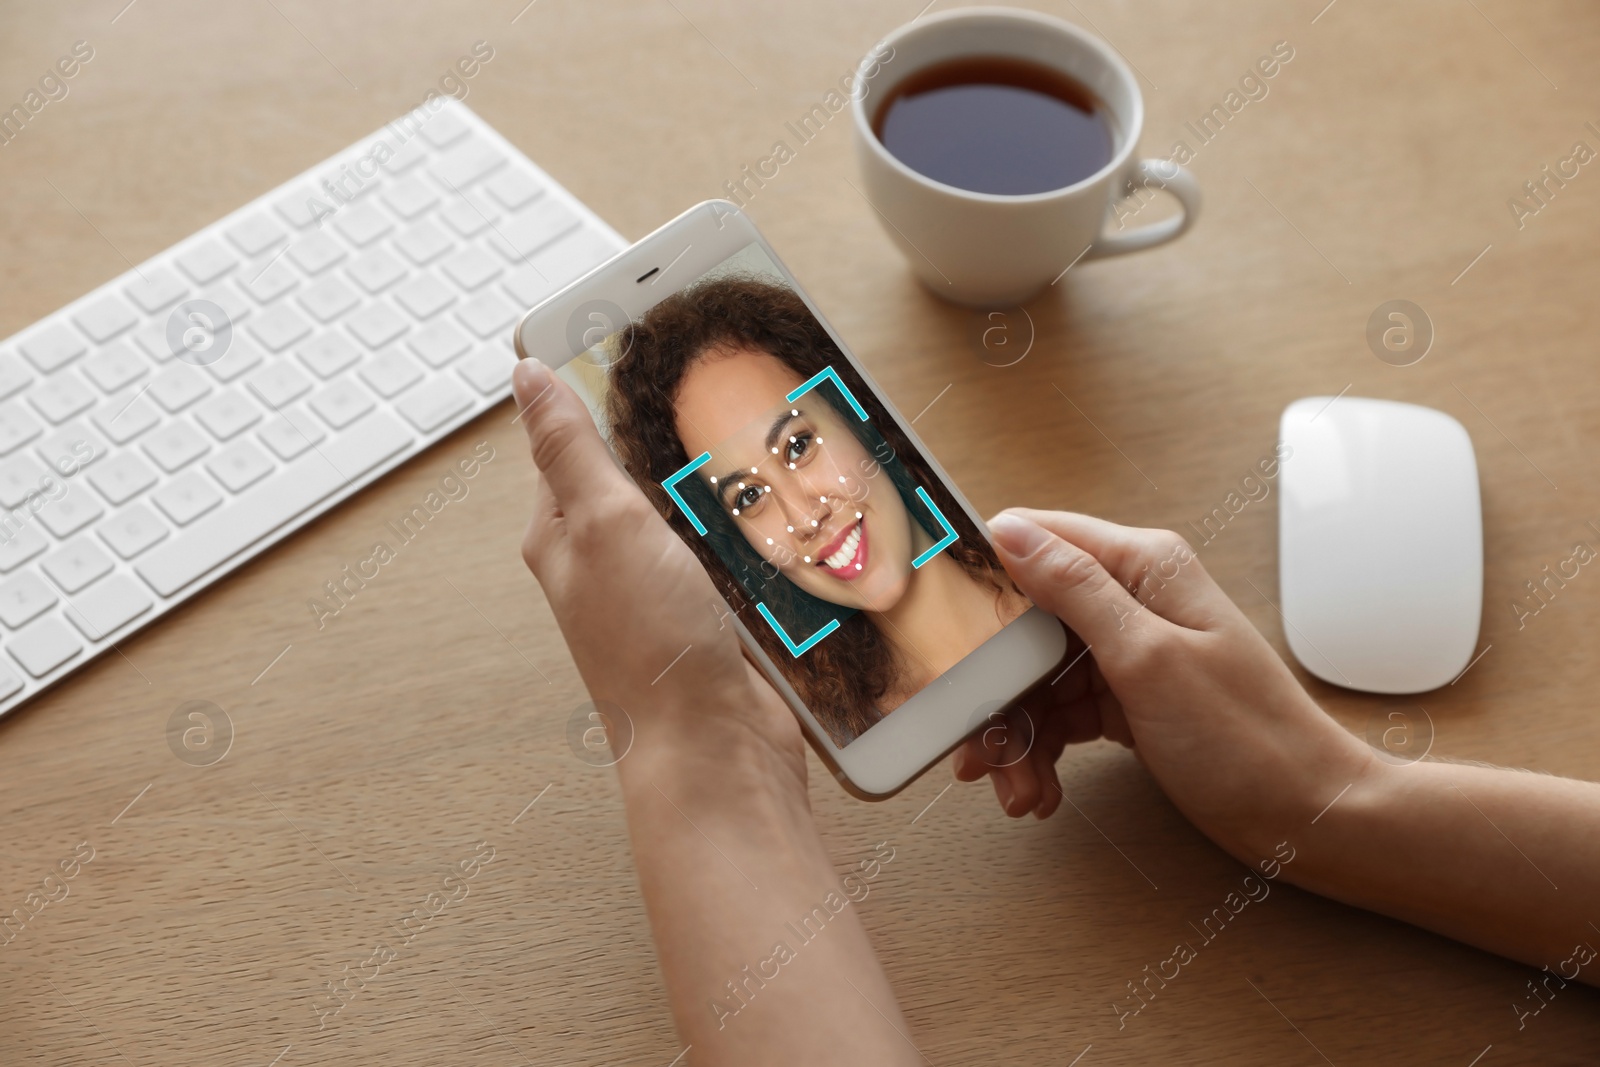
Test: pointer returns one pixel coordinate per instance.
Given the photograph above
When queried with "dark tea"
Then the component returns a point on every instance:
(994, 124)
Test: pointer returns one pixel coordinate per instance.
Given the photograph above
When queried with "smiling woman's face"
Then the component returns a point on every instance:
(795, 480)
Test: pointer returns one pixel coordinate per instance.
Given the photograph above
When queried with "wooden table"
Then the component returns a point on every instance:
(378, 752)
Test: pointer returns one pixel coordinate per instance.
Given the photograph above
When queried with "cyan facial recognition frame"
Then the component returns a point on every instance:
(670, 484)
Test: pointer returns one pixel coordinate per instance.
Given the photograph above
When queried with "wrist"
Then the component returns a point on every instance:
(713, 747)
(1327, 769)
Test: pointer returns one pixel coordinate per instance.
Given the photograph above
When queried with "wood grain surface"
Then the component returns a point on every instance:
(378, 752)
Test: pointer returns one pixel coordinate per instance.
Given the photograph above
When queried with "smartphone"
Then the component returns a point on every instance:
(859, 579)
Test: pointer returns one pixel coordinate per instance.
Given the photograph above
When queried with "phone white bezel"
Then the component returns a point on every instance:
(920, 732)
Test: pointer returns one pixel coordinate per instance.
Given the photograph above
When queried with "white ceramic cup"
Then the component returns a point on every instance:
(990, 250)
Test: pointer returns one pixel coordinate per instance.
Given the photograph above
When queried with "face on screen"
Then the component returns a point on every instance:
(854, 568)
(796, 482)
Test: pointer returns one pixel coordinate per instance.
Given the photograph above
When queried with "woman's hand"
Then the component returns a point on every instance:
(1175, 671)
(643, 622)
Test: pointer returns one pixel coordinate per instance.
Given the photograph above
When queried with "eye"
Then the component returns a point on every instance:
(799, 446)
(746, 495)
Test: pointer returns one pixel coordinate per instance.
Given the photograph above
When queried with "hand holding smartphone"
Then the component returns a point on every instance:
(861, 583)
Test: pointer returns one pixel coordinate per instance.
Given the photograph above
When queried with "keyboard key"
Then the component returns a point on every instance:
(13, 375)
(105, 318)
(178, 386)
(489, 369)
(280, 327)
(435, 404)
(115, 366)
(425, 295)
(527, 285)
(362, 224)
(513, 189)
(573, 256)
(329, 354)
(256, 234)
(278, 383)
(122, 477)
(304, 206)
(126, 417)
(316, 252)
(151, 339)
(44, 646)
(376, 271)
(230, 300)
(315, 475)
(71, 513)
(187, 497)
(20, 547)
(461, 168)
(154, 288)
(471, 267)
(487, 313)
(410, 197)
(77, 564)
(9, 683)
(390, 373)
(341, 403)
(207, 261)
(341, 185)
(109, 606)
(467, 217)
(17, 426)
(53, 347)
(227, 414)
(61, 396)
(521, 236)
(444, 128)
(378, 323)
(329, 298)
(290, 433)
(269, 281)
(242, 356)
(409, 155)
(421, 243)
(132, 530)
(19, 478)
(72, 448)
(175, 445)
(439, 343)
(23, 597)
(239, 466)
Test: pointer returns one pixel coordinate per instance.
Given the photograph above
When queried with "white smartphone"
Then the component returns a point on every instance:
(858, 578)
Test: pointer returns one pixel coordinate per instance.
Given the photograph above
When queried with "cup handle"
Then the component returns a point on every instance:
(1154, 174)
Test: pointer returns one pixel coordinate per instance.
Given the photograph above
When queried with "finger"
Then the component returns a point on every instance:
(1068, 582)
(544, 528)
(1049, 785)
(1022, 774)
(1158, 564)
(566, 447)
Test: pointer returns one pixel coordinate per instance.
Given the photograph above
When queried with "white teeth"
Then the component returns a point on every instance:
(847, 551)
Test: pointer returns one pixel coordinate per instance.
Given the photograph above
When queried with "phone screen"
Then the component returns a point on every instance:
(824, 528)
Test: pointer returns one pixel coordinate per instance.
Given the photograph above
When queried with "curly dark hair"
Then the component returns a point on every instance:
(841, 681)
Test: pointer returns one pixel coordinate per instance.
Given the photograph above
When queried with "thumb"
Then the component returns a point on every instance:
(566, 447)
(1069, 583)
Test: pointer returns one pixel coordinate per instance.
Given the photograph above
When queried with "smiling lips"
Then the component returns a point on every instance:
(845, 557)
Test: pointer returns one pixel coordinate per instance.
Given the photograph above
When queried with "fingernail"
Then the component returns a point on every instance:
(528, 379)
(1016, 535)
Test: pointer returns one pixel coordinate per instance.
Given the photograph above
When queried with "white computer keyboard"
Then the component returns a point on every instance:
(360, 321)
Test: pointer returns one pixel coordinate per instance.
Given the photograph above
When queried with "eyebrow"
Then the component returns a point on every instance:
(773, 433)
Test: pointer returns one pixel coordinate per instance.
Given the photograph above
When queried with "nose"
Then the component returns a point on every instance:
(806, 508)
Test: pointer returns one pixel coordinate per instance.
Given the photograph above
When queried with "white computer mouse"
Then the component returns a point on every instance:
(1380, 543)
